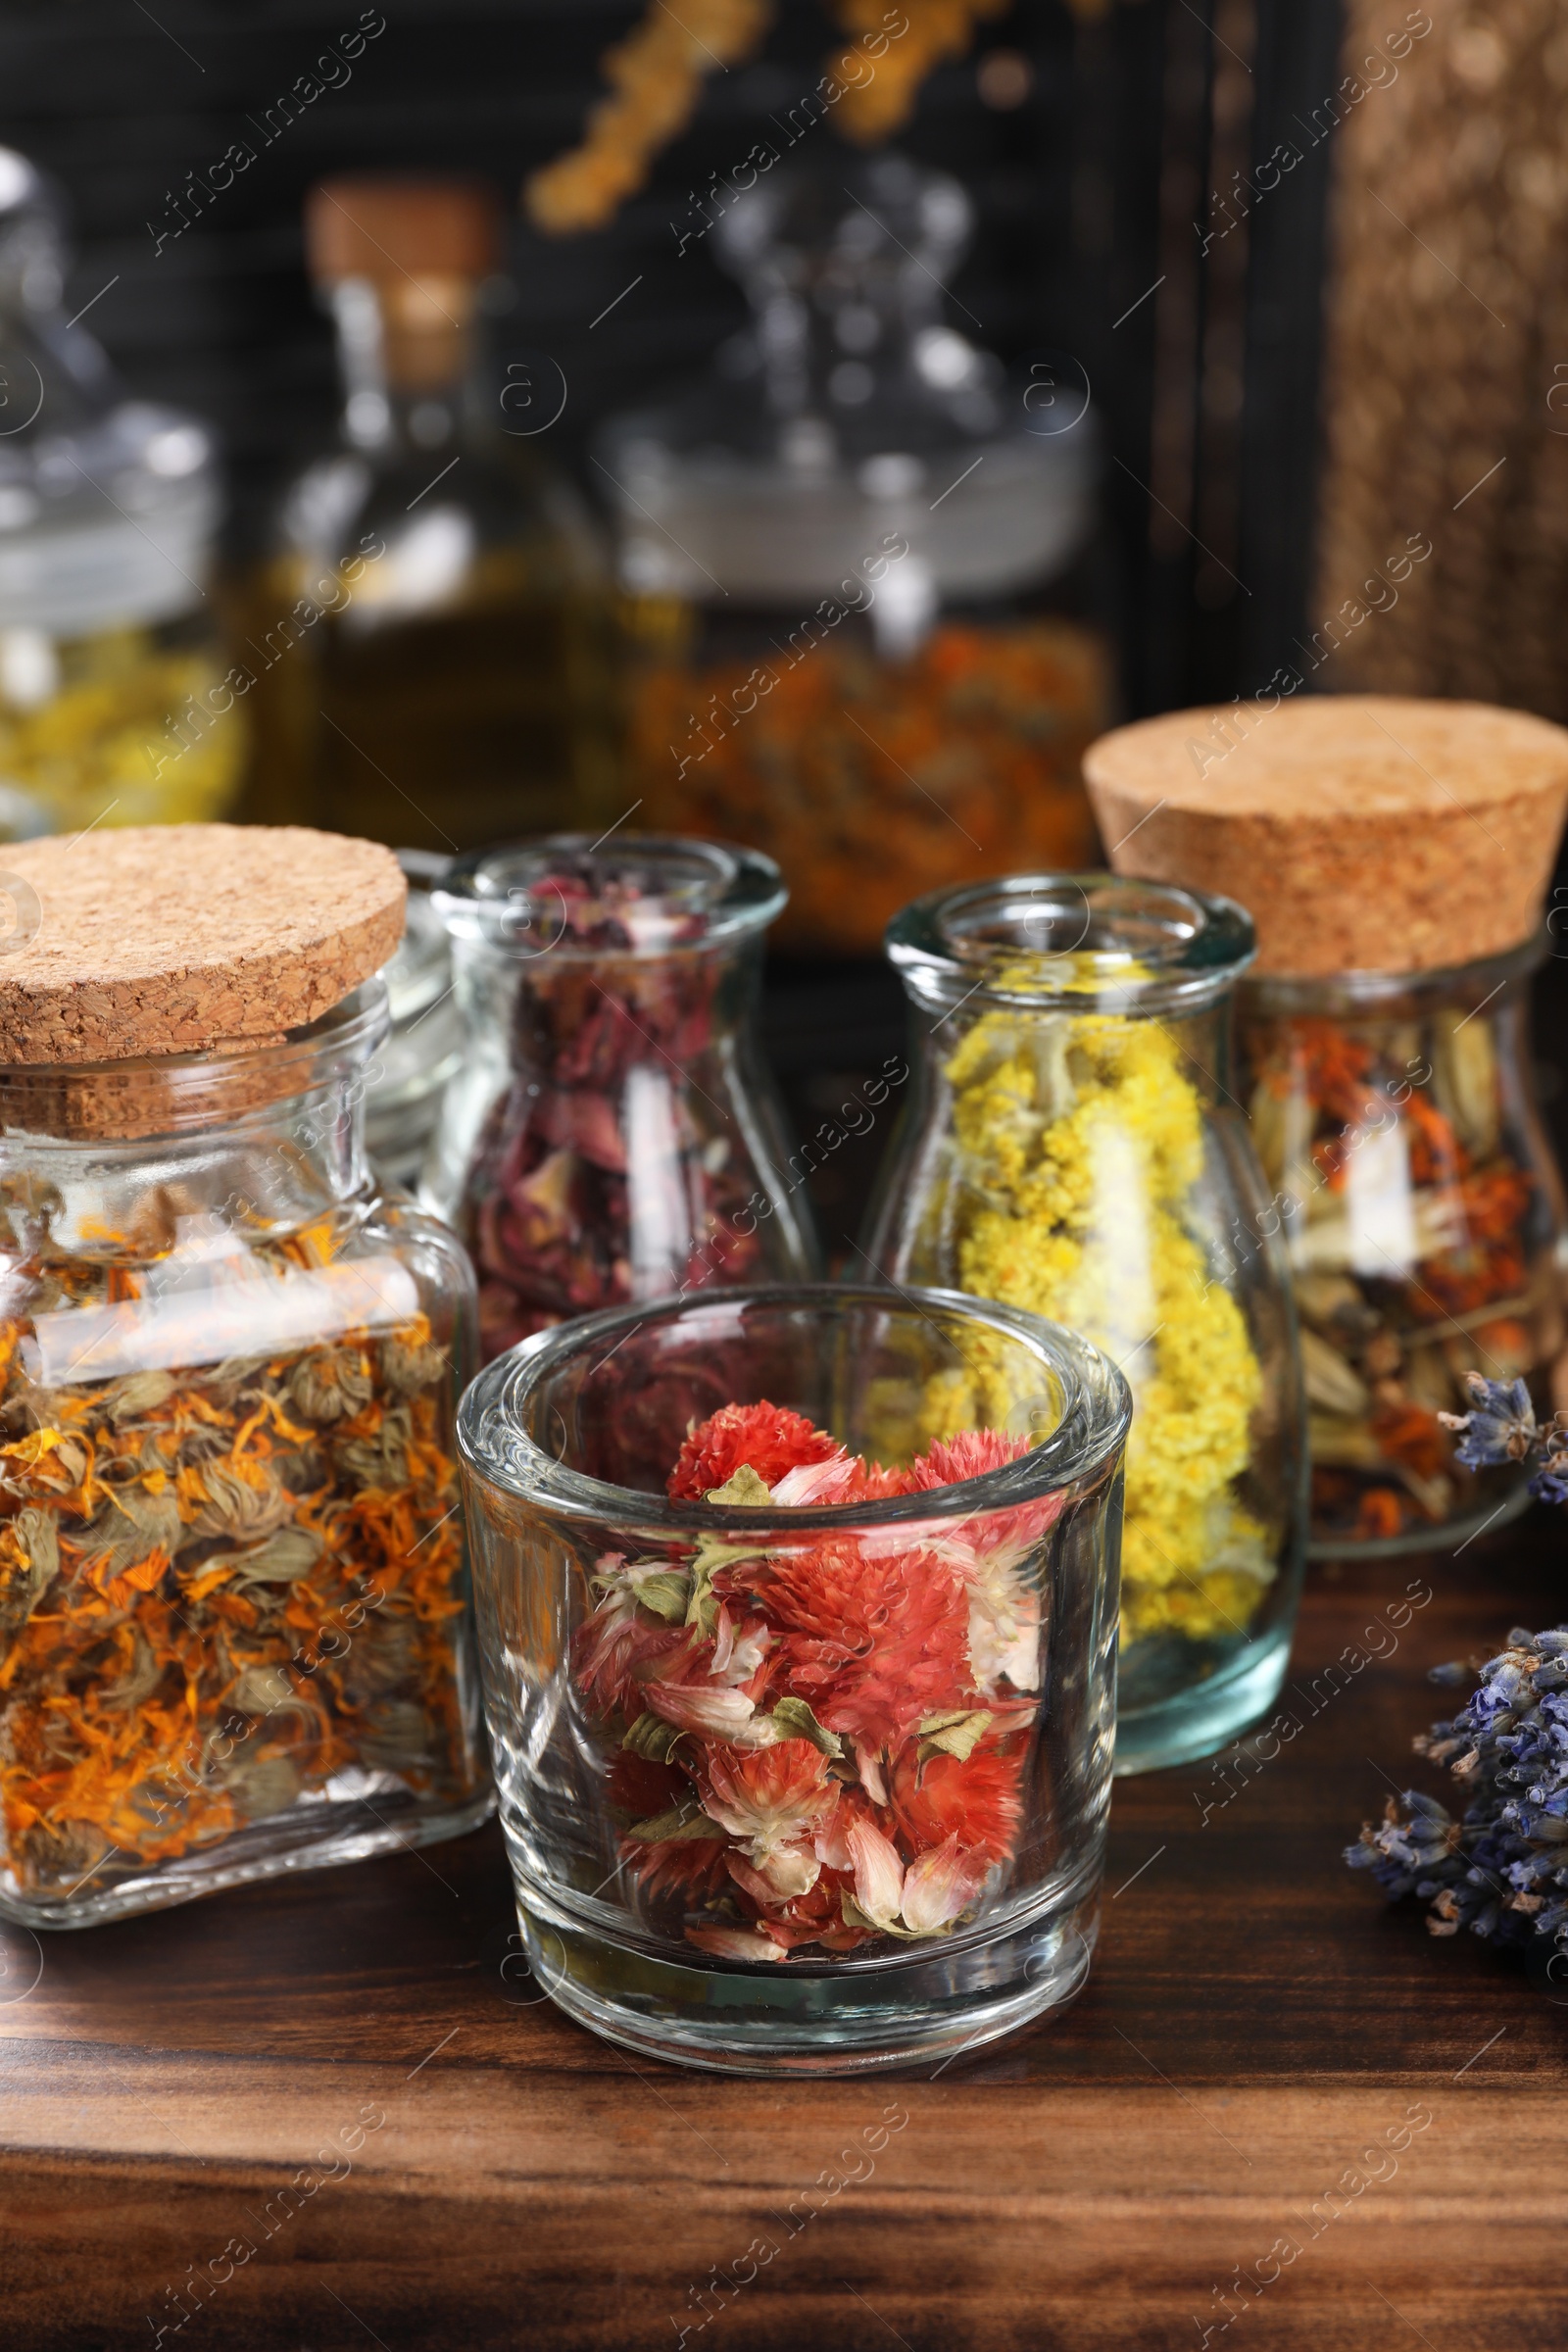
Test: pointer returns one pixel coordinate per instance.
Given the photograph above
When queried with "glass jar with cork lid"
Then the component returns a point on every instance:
(1394, 855)
(235, 1621)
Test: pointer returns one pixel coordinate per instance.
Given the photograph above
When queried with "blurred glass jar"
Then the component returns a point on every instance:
(787, 1783)
(840, 555)
(113, 702)
(427, 636)
(614, 1132)
(1071, 1149)
(1422, 1212)
(423, 1049)
(234, 1590)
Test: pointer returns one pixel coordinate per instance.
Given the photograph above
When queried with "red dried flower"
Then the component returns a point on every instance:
(768, 1437)
(768, 1796)
(640, 1788)
(693, 1867)
(970, 1454)
(620, 1646)
(979, 1799)
(828, 1738)
(875, 1640)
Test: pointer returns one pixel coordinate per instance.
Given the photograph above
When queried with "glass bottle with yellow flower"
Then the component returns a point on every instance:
(1073, 1149)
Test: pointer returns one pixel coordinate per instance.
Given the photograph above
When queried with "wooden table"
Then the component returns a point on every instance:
(1260, 2033)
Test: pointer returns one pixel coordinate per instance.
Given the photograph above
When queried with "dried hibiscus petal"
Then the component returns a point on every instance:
(627, 1155)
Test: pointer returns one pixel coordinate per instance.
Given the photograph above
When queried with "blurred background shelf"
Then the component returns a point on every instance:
(1091, 182)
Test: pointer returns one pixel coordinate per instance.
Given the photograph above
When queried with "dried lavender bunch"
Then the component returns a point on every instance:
(1502, 1870)
(1502, 1426)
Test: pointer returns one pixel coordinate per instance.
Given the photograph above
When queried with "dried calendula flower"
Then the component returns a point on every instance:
(29, 1558)
(331, 1384)
(219, 1589)
(871, 781)
(232, 1572)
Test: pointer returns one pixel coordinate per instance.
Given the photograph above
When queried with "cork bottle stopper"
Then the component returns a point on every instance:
(181, 939)
(1363, 832)
(389, 229)
(424, 245)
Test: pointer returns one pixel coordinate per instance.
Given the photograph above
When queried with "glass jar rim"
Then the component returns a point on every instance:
(508, 896)
(493, 1442)
(1273, 992)
(220, 1086)
(1073, 943)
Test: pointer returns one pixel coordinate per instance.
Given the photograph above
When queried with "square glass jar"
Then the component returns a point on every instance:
(235, 1631)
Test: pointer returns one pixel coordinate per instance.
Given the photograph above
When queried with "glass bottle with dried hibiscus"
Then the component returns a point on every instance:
(798, 1614)
(614, 1132)
(234, 1621)
(1396, 1119)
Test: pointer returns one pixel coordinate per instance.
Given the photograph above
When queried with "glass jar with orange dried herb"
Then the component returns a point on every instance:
(1421, 1209)
(858, 596)
(234, 1615)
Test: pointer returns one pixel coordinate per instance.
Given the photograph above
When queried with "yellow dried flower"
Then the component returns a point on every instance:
(875, 106)
(656, 76)
(100, 748)
(1079, 1142)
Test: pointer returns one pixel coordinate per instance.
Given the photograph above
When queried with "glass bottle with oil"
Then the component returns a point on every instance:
(426, 639)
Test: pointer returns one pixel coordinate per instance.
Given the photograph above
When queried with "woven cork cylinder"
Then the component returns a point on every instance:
(1362, 832)
(147, 972)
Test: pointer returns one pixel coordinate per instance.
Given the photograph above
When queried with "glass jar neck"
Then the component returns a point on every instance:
(1385, 996)
(541, 1003)
(140, 1159)
(1195, 1040)
(404, 355)
(1071, 944)
(563, 929)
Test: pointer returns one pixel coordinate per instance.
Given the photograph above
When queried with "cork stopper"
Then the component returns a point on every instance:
(423, 245)
(185, 939)
(1363, 832)
(390, 229)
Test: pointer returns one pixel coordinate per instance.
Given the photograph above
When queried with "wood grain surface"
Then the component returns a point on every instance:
(1260, 2033)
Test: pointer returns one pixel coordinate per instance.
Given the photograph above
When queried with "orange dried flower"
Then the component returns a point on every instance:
(218, 1587)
